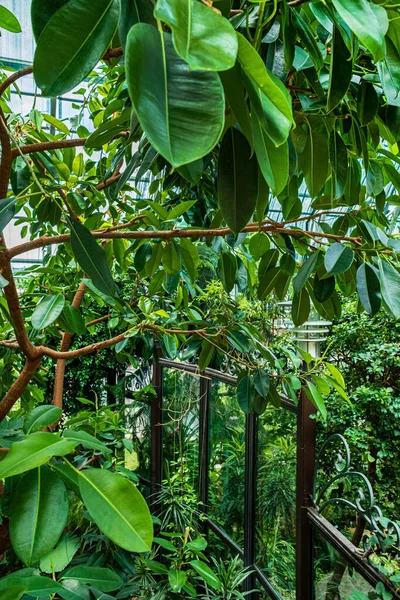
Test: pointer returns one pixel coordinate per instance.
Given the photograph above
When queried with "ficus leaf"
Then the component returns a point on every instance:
(181, 126)
(7, 211)
(368, 288)
(341, 71)
(47, 311)
(338, 258)
(101, 578)
(76, 37)
(237, 181)
(40, 417)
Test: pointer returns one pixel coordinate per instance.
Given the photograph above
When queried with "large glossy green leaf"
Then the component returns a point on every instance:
(91, 258)
(60, 556)
(316, 398)
(338, 159)
(177, 579)
(246, 393)
(73, 42)
(202, 37)
(13, 593)
(338, 259)
(180, 110)
(341, 71)
(389, 74)
(273, 161)
(72, 321)
(307, 37)
(7, 211)
(40, 512)
(268, 95)
(40, 417)
(237, 180)
(389, 279)
(101, 578)
(34, 451)
(235, 93)
(368, 21)
(132, 12)
(118, 509)
(367, 102)
(368, 289)
(300, 307)
(47, 311)
(304, 272)
(9, 21)
(314, 162)
(171, 259)
(41, 13)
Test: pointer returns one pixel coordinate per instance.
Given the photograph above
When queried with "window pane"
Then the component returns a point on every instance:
(276, 495)
(227, 461)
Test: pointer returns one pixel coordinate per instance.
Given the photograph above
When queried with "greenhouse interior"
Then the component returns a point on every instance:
(199, 299)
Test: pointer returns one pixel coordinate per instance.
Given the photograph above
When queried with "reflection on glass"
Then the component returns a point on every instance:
(276, 496)
(138, 422)
(335, 579)
(227, 461)
(178, 499)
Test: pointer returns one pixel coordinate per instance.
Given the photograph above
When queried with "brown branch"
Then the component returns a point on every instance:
(13, 78)
(64, 347)
(170, 234)
(18, 387)
(43, 146)
(99, 320)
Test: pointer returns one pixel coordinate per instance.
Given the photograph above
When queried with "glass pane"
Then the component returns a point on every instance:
(334, 578)
(181, 393)
(227, 461)
(276, 499)
(138, 422)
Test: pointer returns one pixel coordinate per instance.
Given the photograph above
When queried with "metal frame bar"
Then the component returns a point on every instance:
(306, 444)
(156, 466)
(250, 474)
(204, 446)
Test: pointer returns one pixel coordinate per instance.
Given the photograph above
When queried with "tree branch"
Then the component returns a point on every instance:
(18, 387)
(169, 234)
(43, 146)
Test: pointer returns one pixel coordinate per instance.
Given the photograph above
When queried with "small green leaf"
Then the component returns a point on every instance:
(261, 382)
(368, 289)
(91, 257)
(389, 278)
(228, 270)
(206, 354)
(47, 311)
(315, 397)
(338, 259)
(246, 393)
(7, 211)
(305, 271)
(101, 578)
(60, 557)
(72, 321)
(9, 21)
(86, 440)
(171, 260)
(177, 579)
(40, 417)
(206, 573)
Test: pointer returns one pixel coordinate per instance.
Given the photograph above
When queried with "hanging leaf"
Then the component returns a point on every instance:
(75, 38)
(237, 180)
(261, 382)
(181, 126)
(245, 393)
(268, 95)
(40, 500)
(190, 257)
(47, 311)
(305, 271)
(273, 161)
(389, 279)
(206, 354)
(341, 71)
(206, 573)
(315, 397)
(235, 93)
(323, 288)
(338, 259)
(34, 451)
(171, 260)
(389, 74)
(101, 578)
(338, 159)
(228, 270)
(307, 37)
(314, 162)
(202, 37)
(7, 211)
(367, 102)
(268, 282)
(91, 257)
(368, 289)
(118, 509)
(40, 417)
(368, 21)
(138, 11)
(300, 307)
(9, 21)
